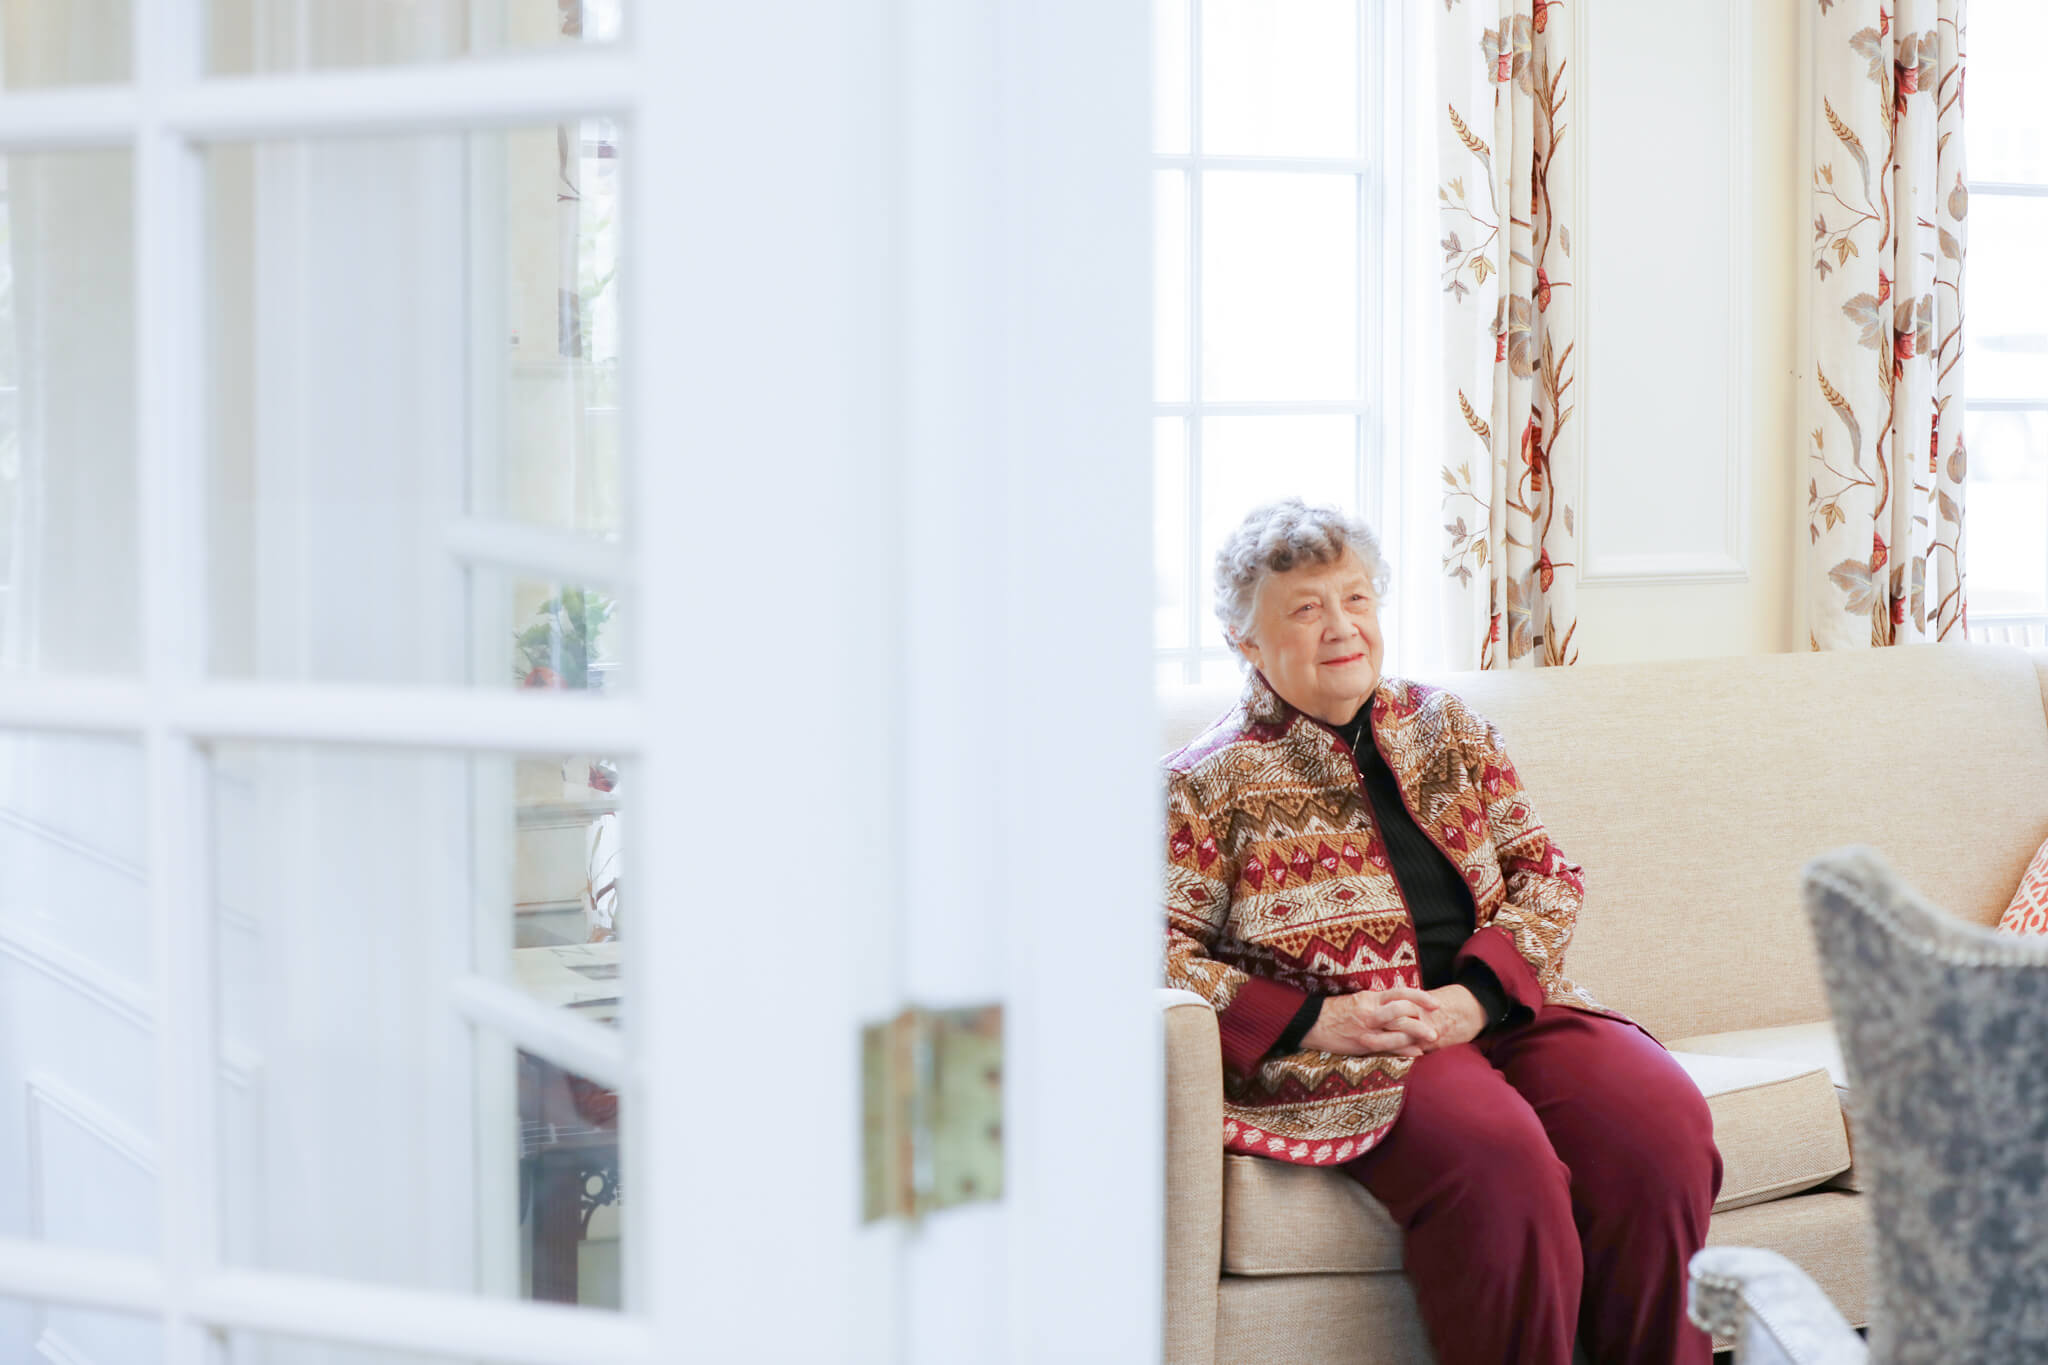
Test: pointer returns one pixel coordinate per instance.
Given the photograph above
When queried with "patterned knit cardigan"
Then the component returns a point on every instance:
(1278, 886)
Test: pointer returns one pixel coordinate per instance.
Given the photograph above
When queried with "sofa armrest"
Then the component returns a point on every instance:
(1194, 1177)
(1775, 1314)
(2040, 658)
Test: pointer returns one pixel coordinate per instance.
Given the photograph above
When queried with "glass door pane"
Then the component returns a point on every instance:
(78, 1016)
(69, 575)
(58, 1334)
(387, 919)
(47, 43)
(249, 36)
(265, 1348)
(414, 394)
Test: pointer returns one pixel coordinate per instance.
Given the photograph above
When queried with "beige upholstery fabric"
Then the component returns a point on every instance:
(1312, 1319)
(1320, 1320)
(1737, 771)
(1194, 1180)
(1812, 1044)
(1282, 1219)
(1777, 1124)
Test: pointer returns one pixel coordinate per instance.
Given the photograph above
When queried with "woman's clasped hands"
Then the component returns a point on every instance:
(1400, 1021)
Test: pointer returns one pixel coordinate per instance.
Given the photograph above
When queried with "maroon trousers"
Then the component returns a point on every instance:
(1552, 1180)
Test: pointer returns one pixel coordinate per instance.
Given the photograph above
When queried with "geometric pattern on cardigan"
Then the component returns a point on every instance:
(1276, 869)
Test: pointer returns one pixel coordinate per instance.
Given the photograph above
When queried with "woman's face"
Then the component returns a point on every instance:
(1316, 636)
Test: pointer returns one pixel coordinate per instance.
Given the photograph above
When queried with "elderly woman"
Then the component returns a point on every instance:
(1359, 885)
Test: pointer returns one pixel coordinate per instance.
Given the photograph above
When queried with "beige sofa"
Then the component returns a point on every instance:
(1691, 792)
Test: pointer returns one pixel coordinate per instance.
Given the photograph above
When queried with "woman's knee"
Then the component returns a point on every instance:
(1467, 1147)
(1687, 1124)
(1659, 1149)
(1515, 1180)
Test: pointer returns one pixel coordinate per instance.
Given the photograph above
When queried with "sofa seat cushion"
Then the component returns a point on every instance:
(1812, 1044)
(1776, 1122)
(1283, 1219)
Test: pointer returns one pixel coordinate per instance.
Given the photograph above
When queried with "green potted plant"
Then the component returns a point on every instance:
(557, 649)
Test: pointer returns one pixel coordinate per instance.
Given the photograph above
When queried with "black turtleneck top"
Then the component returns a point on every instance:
(1437, 896)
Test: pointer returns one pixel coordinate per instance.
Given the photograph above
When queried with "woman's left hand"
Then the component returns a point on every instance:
(1460, 1019)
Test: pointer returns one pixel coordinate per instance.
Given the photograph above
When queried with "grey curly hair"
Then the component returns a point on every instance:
(1280, 536)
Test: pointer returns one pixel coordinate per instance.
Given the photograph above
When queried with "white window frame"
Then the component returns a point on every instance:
(2009, 628)
(1385, 87)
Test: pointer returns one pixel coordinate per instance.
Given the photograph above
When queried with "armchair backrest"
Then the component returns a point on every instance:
(1942, 1029)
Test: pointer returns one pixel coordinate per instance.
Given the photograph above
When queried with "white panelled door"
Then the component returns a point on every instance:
(557, 558)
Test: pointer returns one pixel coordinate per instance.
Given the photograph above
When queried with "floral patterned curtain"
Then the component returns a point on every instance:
(1505, 152)
(1890, 203)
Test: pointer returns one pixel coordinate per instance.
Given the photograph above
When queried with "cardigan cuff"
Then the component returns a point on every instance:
(1478, 978)
(1495, 948)
(1257, 1016)
(1297, 1028)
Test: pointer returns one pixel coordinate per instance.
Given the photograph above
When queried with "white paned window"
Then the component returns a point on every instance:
(1276, 129)
(2005, 327)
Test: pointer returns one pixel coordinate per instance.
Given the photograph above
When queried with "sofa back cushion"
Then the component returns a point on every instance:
(1693, 791)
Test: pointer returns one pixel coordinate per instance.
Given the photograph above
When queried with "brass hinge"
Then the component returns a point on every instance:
(932, 1099)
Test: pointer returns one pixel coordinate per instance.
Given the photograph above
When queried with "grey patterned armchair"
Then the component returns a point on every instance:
(1944, 1029)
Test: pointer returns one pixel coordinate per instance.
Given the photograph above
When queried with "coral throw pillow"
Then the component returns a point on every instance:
(2028, 913)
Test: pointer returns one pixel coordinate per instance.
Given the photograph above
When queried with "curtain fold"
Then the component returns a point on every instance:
(1885, 458)
(1506, 160)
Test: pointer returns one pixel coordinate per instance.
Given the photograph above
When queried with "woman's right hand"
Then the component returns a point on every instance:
(1397, 1022)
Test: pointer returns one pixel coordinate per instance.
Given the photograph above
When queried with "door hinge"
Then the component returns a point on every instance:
(932, 1100)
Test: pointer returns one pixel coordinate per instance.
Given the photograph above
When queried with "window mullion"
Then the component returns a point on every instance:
(477, 92)
(1374, 354)
(1192, 666)
(2007, 405)
(169, 263)
(2016, 189)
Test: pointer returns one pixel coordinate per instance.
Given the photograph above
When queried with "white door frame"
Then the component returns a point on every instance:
(771, 459)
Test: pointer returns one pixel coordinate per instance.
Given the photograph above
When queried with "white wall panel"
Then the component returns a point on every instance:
(71, 861)
(1662, 246)
(66, 894)
(77, 1033)
(91, 1176)
(71, 1336)
(74, 1046)
(77, 1115)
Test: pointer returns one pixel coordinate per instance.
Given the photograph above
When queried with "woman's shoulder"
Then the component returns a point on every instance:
(1213, 740)
(1235, 744)
(1439, 708)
